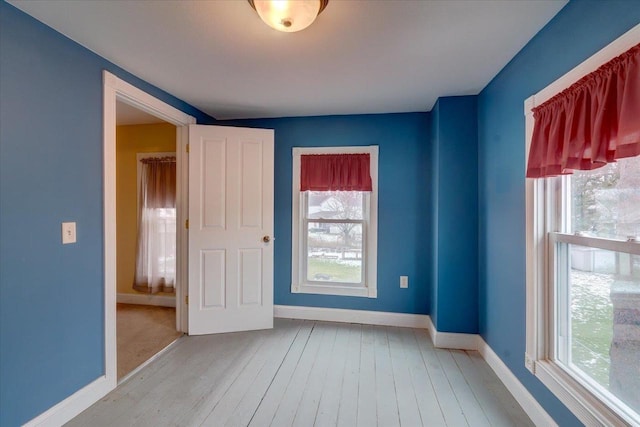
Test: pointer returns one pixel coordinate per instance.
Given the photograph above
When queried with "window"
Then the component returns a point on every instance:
(596, 281)
(334, 231)
(583, 277)
(156, 246)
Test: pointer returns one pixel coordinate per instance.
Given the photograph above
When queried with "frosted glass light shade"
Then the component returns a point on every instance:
(288, 15)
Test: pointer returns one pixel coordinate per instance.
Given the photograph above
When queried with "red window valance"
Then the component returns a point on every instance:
(593, 122)
(335, 172)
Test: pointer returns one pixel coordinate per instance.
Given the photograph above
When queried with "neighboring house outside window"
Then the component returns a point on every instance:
(334, 245)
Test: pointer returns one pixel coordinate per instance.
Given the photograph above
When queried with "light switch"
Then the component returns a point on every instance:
(68, 232)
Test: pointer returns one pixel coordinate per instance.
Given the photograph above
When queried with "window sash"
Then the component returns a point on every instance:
(559, 214)
(560, 333)
(304, 236)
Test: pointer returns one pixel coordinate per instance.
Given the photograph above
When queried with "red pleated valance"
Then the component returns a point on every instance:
(590, 124)
(335, 172)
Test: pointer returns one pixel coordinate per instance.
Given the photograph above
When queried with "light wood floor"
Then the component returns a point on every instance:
(305, 373)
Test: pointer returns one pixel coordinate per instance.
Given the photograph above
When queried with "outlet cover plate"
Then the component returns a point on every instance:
(404, 281)
(68, 232)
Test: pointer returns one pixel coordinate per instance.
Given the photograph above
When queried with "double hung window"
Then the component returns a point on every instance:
(593, 277)
(335, 221)
(583, 233)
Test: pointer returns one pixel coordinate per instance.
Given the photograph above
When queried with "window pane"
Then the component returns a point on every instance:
(165, 226)
(606, 201)
(603, 331)
(334, 204)
(334, 252)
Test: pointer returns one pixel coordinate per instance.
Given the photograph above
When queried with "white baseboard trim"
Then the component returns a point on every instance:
(534, 410)
(456, 341)
(381, 318)
(66, 410)
(145, 299)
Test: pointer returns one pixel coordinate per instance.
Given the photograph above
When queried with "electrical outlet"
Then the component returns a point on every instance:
(68, 232)
(404, 281)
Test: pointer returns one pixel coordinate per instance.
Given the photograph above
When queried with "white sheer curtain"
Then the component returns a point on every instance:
(156, 254)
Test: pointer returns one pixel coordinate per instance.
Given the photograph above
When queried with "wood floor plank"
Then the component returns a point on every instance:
(348, 411)
(408, 411)
(451, 410)
(264, 414)
(310, 401)
(367, 409)
(271, 351)
(467, 400)
(386, 398)
(488, 402)
(331, 396)
(290, 401)
(427, 398)
(246, 408)
(206, 385)
(497, 390)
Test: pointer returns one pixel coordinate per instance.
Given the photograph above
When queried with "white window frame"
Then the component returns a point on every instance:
(544, 227)
(139, 158)
(299, 282)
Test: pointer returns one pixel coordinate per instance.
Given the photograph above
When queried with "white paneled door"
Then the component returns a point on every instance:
(230, 229)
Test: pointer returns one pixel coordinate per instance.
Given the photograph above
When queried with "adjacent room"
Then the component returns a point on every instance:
(146, 237)
(320, 212)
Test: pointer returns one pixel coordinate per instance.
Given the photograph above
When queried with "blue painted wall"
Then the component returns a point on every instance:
(404, 214)
(51, 296)
(454, 304)
(577, 32)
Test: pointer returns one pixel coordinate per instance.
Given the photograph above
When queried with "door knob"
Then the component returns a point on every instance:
(266, 239)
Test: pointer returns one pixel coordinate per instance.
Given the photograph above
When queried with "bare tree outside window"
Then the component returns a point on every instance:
(606, 201)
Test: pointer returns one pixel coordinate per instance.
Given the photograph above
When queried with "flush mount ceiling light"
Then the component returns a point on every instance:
(288, 15)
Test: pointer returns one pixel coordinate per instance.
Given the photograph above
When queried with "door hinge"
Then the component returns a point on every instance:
(186, 299)
(186, 224)
(187, 148)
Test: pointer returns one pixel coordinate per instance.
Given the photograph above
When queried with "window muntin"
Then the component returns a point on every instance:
(334, 233)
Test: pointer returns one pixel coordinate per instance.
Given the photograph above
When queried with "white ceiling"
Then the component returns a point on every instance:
(128, 115)
(377, 56)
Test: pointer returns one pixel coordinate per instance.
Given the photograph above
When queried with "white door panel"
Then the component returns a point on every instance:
(230, 211)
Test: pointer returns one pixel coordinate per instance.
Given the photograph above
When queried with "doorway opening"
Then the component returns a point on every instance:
(139, 117)
(145, 237)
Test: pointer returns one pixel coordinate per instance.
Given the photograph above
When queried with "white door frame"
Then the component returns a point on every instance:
(116, 89)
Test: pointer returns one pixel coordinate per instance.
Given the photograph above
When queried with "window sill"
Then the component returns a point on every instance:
(328, 289)
(577, 397)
